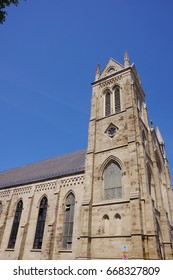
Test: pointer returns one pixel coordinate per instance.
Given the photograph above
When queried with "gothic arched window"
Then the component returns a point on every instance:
(15, 226)
(105, 224)
(68, 222)
(118, 224)
(107, 103)
(112, 181)
(117, 99)
(149, 179)
(159, 241)
(40, 223)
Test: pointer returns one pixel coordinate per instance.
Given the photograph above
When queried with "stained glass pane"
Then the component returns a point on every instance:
(112, 181)
(40, 223)
(107, 104)
(117, 100)
(15, 225)
(68, 222)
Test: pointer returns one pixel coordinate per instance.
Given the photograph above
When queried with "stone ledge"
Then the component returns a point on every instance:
(117, 201)
(65, 251)
(35, 250)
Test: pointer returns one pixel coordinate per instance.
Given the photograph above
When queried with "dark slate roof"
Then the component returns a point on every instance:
(47, 169)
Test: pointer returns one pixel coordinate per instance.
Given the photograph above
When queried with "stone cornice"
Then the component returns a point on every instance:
(111, 77)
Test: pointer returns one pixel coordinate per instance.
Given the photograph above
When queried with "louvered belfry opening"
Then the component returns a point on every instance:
(107, 103)
(117, 99)
(15, 225)
(40, 223)
(68, 222)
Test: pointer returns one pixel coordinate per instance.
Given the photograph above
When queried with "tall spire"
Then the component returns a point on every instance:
(126, 60)
(97, 76)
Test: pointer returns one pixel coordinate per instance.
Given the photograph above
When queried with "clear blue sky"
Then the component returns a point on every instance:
(49, 52)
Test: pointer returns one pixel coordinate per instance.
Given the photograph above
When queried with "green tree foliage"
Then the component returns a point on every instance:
(3, 5)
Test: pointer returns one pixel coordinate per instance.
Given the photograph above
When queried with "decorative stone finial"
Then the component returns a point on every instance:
(97, 72)
(159, 136)
(126, 60)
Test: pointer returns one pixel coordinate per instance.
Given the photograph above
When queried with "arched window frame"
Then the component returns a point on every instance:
(112, 100)
(117, 99)
(105, 224)
(118, 224)
(39, 233)
(150, 183)
(108, 160)
(145, 141)
(107, 103)
(15, 226)
(159, 237)
(149, 177)
(114, 170)
(68, 221)
(117, 216)
(110, 70)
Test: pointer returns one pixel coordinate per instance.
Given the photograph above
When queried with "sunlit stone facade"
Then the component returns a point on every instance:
(111, 201)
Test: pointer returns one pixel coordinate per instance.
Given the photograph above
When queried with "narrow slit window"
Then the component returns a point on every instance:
(40, 223)
(117, 99)
(68, 222)
(107, 104)
(15, 226)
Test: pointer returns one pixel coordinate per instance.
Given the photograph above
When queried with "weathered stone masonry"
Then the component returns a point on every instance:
(120, 185)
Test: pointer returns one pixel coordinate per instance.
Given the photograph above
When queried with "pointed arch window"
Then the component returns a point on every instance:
(40, 223)
(107, 103)
(105, 224)
(118, 224)
(159, 241)
(112, 181)
(68, 222)
(15, 226)
(117, 99)
(149, 179)
(144, 141)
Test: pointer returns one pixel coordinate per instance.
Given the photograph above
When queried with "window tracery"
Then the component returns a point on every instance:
(117, 99)
(107, 103)
(15, 226)
(40, 223)
(112, 181)
(112, 101)
(68, 222)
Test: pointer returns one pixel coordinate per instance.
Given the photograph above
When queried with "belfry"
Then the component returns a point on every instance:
(110, 201)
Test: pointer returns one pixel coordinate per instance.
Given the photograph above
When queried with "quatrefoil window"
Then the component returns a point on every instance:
(111, 130)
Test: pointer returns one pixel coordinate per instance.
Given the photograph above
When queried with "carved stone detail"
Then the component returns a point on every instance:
(111, 81)
(22, 190)
(5, 193)
(72, 181)
(45, 186)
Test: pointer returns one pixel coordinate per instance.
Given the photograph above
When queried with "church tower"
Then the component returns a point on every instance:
(126, 210)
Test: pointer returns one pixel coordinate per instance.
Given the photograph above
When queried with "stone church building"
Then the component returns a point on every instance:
(111, 201)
